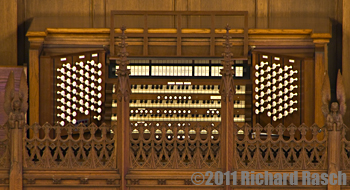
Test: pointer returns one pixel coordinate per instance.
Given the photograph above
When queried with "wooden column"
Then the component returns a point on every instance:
(334, 149)
(320, 71)
(123, 120)
(346, 56)
(34, 81)
(16, 175)
(227, 92)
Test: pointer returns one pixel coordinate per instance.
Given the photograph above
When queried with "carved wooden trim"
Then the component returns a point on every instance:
(188, 182)
(84, 180)
(30, 180)
(56, 181)
(135, 182)
(161, 182)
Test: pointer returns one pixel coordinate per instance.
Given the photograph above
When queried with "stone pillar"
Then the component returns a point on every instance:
(123, 121)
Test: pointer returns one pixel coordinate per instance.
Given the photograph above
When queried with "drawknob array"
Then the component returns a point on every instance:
(79, 90)
(275, 87)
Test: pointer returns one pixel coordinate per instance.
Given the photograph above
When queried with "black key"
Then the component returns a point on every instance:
(192, 115)
(161, 86)
(157, 86)
(172, 87)
(197, 101)
(192, 101)
(152, 101)
(197, 115)
(145, 101)
(178, 101)
(160, 101)
(238, 87)
(212, 87)
(178, 87)
(146, 87)
(219, 115)
(130, 101)
(167, 101)
(208, 87)
(167, 86)
(186, 87)
(152, 86)
(203, 101)
(182, 101)
(208, 101)
(134, 101)
(204, 87)
(193, 87)
(156, 101)
(171, 101)
(142, 86)
(183, 87)
(238, 101)
(219, 87)
(141, 101)
(197, 87)
(186, 101)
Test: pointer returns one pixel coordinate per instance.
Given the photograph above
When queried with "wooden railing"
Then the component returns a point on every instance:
(169, 146)
(179, 31)
(70, 147)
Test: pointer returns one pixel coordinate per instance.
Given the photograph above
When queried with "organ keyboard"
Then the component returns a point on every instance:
(182, 91)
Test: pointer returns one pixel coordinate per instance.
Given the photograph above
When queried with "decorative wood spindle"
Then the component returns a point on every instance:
(227, 92)
(123, 94)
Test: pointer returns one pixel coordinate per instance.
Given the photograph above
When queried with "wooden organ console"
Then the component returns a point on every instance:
(182, 90)
(175, 72)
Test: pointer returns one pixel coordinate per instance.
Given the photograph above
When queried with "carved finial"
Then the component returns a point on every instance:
(227, 87)
(227, 54)
(123, 72)
(122, 46)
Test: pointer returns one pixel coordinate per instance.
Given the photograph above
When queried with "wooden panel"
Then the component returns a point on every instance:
(319, 74)
(163, 5)
(308, 97)
(301, 8)
(44, 8)
(33, 86)
(8, 34)
(46, 91)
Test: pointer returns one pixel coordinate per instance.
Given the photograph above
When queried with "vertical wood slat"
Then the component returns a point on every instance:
(319, 75)
(34, 86)
(145, 37)
(212, 33)
(179, 39)
(46, 90)
(245, 43)
(112, 35)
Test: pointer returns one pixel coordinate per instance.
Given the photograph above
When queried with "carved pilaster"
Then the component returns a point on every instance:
(227, 92)
(16, 107)
(123, 94)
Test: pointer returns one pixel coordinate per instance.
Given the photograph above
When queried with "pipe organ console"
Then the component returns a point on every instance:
(177, 90)
(182, 90)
